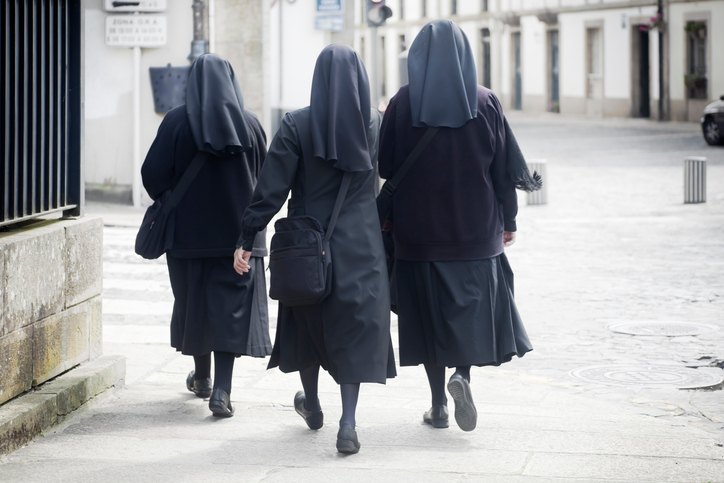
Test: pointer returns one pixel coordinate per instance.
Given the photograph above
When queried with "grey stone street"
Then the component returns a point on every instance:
(614, 245)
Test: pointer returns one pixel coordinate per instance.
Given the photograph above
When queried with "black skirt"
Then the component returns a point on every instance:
(459, 313)
(216, 309)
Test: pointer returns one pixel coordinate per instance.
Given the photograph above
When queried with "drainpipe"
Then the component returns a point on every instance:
(662, 59)
(200, 44)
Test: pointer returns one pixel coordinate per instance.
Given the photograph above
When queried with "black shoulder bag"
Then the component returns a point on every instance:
(300, 260)
(155, 235)
(384, 199)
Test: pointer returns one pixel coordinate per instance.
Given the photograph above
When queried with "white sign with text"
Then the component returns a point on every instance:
(135, 30)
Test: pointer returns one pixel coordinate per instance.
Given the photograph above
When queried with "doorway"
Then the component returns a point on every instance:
(485, 36)
(640, 73)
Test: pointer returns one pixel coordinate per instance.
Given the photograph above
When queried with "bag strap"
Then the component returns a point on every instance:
(186, 179)
(338, 204)
(391, 184)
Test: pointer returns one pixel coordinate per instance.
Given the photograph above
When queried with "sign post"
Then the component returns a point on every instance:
(136, 31)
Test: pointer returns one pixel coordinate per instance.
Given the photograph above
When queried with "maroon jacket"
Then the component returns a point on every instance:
(458, 197)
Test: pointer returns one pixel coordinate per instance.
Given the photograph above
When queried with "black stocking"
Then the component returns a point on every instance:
(436, 378)
(350, 394)
(202, 366)
(310, 380)
(223, 369)
(464, 371)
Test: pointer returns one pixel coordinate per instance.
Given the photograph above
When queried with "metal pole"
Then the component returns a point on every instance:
(136, 189)
(375, 94)
(660, 11)
(200, 44)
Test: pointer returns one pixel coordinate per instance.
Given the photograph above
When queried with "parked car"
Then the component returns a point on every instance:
(712, 122)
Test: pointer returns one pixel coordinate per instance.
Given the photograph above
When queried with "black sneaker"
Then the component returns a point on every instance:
(437, 417)
(314, 419)
(347, 441)
(465, 413)
(200, 387)
(220, 404)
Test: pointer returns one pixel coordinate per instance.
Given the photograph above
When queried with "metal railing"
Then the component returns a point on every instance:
(41, 53)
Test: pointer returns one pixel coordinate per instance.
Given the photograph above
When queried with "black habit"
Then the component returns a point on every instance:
(453, 283)
(349, 332)
(215, 309)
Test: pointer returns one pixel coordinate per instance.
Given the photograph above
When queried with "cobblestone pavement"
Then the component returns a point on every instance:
(615, 243)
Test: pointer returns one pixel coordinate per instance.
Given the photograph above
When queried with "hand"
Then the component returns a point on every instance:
(241, 261)
(508, 238)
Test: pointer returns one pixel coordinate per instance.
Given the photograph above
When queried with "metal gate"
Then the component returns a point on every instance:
(41, 124)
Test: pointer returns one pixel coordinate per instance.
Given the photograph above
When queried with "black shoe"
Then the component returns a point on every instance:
(465, 413)
(347, 441)
(200, 387)
(437, 417)
(314, 419)
(220, 404)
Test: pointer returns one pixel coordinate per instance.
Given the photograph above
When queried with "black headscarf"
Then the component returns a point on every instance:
(214, 107)
(340, 109)
(443, 83)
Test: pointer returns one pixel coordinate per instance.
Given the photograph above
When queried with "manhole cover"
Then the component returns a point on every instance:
(669, 329)
(648, 375)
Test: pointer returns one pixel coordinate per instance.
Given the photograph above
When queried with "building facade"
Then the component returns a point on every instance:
(582, 57)
(585, 57)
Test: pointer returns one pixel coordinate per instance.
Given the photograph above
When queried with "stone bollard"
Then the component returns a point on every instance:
(694, 179)
(539, 197)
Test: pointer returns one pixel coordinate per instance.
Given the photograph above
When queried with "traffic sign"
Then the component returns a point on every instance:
(135, 6)
(135, 30)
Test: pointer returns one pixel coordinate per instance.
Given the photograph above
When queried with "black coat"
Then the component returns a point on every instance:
(355, 318)
(458, 197)
(208, 218)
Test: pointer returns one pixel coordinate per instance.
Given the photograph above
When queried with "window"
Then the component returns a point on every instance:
(484, 5)
(485, 37)
(696, 68)
(424, 8)
(402, 9)
(453, 7)
(594, 66)
(403, 44)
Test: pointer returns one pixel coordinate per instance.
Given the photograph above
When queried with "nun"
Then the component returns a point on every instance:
(452, 216)
(348, 333)
(215, 308)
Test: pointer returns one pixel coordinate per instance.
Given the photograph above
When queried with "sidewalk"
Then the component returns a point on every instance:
(614, 244)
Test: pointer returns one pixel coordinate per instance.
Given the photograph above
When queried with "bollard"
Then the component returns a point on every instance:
(539, 197)
(694, 179)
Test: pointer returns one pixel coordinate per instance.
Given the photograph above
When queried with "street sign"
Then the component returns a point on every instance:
(135, 30)
(135, 6)
(330, 23)
(326, 6)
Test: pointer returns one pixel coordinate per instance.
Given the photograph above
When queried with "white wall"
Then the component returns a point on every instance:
(108, 92)
(301, 46)
(533, 50)
(678, 45)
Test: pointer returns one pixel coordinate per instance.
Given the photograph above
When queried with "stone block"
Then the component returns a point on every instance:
(16, 363)
(23, 419)
(96, 327)
(34, 273)
(83, 259)
(61, 342)
(3, 290)
(86, 381)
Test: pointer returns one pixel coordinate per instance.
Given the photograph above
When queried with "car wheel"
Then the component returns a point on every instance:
(712, 136)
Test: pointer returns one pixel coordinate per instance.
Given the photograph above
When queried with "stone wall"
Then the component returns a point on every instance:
(50, 309)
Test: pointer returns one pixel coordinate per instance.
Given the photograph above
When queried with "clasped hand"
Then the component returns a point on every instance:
(241, 261)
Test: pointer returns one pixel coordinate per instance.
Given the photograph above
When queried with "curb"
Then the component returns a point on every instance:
(27, 416)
